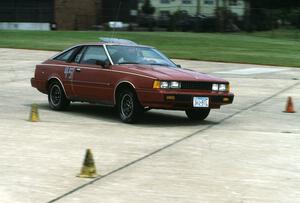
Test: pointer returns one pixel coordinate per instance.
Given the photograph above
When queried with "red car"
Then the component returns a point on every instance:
(133, 78)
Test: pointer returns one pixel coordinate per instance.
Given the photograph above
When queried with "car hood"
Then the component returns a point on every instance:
(167, 73)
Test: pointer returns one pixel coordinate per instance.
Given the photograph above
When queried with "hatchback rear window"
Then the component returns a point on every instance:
(66, 55)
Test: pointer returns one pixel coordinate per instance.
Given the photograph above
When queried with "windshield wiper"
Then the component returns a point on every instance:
(158, 64)
(128, 63)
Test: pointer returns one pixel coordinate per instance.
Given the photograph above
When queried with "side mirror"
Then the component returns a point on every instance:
(104, 64)
(178, 65)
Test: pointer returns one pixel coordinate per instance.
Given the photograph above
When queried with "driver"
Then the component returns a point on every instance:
(126, 54)
(130, 55)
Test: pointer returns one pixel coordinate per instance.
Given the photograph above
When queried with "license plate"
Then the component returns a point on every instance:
(200, 102)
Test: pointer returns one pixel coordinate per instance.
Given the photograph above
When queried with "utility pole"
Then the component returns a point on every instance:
(218, 3)
(225, 3)
(198, 7)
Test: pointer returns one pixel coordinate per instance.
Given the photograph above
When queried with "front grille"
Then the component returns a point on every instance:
(196, 85)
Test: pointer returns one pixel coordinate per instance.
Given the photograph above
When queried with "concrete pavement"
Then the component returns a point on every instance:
(245, 152)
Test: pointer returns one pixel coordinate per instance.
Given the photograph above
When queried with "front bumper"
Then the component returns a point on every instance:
(182, 100)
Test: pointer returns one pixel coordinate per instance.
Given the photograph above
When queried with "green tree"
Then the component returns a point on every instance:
(146, 18)
(274, 4)
(264, 14)
(147, 8)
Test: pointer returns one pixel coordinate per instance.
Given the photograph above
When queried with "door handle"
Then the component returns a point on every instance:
(77, 69)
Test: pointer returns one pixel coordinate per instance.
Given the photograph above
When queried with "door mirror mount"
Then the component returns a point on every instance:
(105, 64)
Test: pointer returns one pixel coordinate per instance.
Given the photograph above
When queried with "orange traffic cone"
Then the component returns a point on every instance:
(289, 106)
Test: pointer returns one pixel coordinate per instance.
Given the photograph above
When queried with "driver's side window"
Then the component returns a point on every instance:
(93, 55)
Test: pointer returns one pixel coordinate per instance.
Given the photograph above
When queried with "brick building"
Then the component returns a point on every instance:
(77, 14)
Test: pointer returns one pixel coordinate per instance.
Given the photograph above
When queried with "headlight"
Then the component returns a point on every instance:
(166, 84)
(175, 85)
(215, 87)
(220, 87)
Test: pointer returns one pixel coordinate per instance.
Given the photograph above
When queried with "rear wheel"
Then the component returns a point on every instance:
(129, 108)
(56, 97)
(197, 114)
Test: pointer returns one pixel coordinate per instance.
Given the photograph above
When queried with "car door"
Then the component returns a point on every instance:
(91, 81)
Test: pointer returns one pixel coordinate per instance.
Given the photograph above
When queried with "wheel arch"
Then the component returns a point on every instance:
(55, 79)
(123, 85)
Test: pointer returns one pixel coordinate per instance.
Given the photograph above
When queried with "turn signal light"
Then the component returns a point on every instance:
(170, 97)
(156, 84)
(225, 99)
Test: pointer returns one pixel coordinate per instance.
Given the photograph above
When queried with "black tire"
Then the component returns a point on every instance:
(129, 108)
(197, 114)
(56, 97)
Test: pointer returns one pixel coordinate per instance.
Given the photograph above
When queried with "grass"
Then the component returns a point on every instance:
(281, 49)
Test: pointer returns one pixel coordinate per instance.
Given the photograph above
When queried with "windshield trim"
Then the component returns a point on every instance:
(108, 55)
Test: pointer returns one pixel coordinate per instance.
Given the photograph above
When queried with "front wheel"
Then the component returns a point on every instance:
(197, 114)
(56, 97)
(129, 108)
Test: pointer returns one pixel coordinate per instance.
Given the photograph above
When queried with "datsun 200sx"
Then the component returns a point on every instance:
(131, 77)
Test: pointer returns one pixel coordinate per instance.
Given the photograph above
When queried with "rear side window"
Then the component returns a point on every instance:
(66, 55)
(94, 54)
(79, 55)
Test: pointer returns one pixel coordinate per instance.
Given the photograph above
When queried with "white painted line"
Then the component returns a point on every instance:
(250, 71)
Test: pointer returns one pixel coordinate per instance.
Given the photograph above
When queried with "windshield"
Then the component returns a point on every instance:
(121, 54)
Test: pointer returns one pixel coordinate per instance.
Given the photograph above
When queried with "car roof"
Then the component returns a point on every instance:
(115, 41)
(99, 44)
(109, 43)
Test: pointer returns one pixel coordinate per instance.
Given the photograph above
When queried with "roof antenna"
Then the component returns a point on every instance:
(117, 17)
